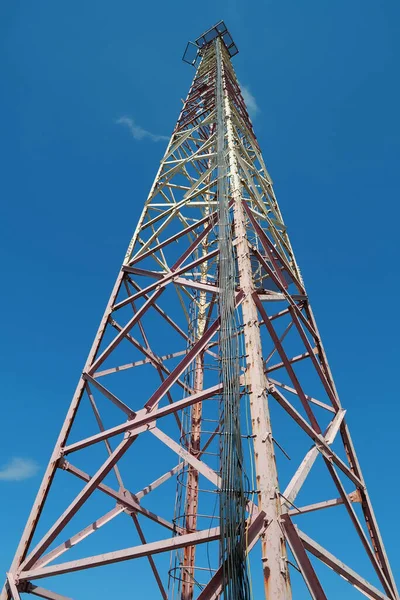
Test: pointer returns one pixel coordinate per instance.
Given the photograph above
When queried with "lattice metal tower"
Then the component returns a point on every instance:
(207, 333)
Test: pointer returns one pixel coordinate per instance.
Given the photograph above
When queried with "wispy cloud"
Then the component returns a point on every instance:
(138, 132)
(250, 101)
(18, 469)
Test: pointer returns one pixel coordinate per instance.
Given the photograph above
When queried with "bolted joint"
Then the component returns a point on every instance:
(63, 463)
(355, 496)
(25, 587)
(265, 437)
(15, 578)
(252, 322)
(283, 565)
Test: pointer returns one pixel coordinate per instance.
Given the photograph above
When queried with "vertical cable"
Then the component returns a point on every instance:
(232, 497)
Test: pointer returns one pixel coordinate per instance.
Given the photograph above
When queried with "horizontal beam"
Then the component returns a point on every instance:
(166, 545)
(302, 510)
(138, 363)
(292, 360)
(197, 285)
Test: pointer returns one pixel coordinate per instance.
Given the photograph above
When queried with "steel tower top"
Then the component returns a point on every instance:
(194, 49)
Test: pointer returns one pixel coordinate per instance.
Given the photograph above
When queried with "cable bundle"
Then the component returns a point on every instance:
(232, 497)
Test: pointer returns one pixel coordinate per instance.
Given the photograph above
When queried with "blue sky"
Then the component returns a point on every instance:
(90, 90)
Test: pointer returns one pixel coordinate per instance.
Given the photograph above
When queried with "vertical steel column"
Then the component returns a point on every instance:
(276, 575)
(192, 498)
(194, 441)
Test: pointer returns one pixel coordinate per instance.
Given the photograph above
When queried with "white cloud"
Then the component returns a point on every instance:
(250, 102)
(18, 469)
(138, 132)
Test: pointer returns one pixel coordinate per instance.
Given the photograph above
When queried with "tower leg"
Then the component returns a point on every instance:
(192, 497)
(188, 575)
